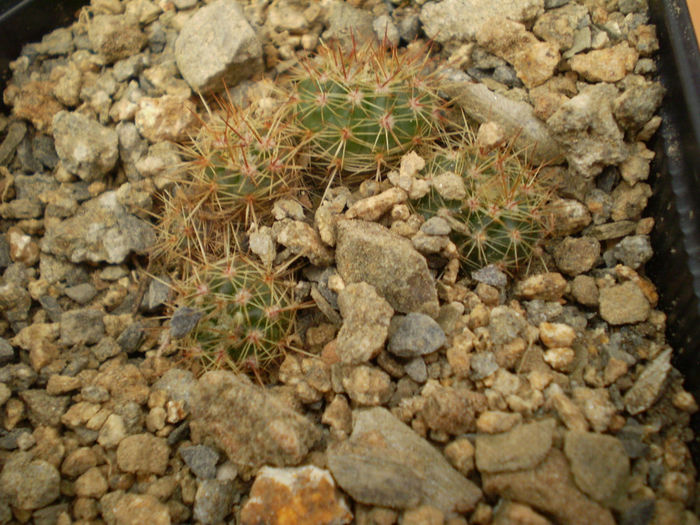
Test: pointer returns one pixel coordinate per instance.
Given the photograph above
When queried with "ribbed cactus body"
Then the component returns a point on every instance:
(499, 220)
(364, 108)
(246, 311)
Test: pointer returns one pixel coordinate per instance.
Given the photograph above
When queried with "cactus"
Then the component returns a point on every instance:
(247, 314)
(499, 220)
(241, 164)
(363, 109)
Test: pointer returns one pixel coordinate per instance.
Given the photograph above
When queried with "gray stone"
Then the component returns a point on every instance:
(7, 353)
(102, 230)
(523, 447)
(252, 425)
(81, 293)
(105, 349)
(346, 22)
(490, 275)
(217, 44)
(28, 484)
(585, 128)
(183, 321)
(366, 317)
(369, 252)
(505, 324)
(482, 365)
(86, 148)
(115, 36)
(417, 370)
(548, 488)
(179, 384)
(599, 464)
(461, 19)
(44, 409)
(82, 326)
(649, 385)
(44, 151)
(415, 335)
(18, 376)
(57, 42)
(633, 251)
(201, 460)
(638, 103)
(15, 134)
(131, 337)
(213, 501)
(623, 304)
(386, 463)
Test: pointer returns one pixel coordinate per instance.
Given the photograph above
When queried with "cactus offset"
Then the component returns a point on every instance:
(499, 221)
(363, 109)
(247, 314)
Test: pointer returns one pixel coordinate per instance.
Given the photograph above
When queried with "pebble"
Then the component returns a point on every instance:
(143, 454)
(623, 304)
(368, 385)
(633, 250)
(201, 460)
(414, 335)
(649, 384)
(366, 318)
(213, 501)
(296, 495)
(134, 509)
(576, 255)
(29, 483)
(605, 65)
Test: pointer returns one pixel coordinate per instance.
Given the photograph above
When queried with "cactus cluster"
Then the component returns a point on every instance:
(361, 110)
(246, 315)
(499, 219)
(340, 117)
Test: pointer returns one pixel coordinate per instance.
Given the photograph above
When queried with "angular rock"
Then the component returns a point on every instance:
(29, 484)
(115, 37)
(101, 231)
(416, 335)
(452, 410)
(550, 489)
(253, 426)
(534, 61)
(587, 131)
(303, 240)
(169, 117)
(83, 326)
(369, 252)
(605, 65)
(136, 509)
(523, 447)
(201, 460)
(623, 304)
(633, 250)
(217, 45)
(649, 385)
(143, 454)
(366, 318)
(599, 464)
(86, 148)
(386, 463)
(576, 255)
(296, 495)
(368, 385)
(461, 19)
(213, 501)
(44, 409)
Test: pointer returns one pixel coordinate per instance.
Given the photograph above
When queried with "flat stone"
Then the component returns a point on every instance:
(253, 426)
(550, 489)
(15, 133)
(523, 447)
(366, 318)
(44, 409)
(623, 304)
(649, 385)
(296, 496)
(415, 335)
(217, 45)
(599, 464)
(461, 19)
(386, 463)
(369, 252)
